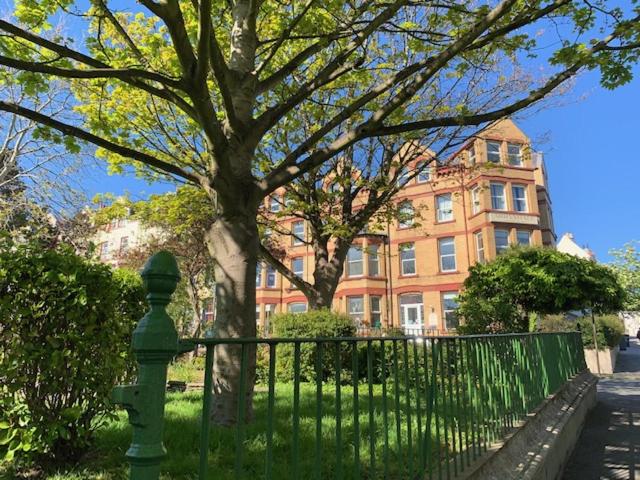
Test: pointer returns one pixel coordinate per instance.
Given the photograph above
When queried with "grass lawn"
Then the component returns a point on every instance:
(106, 460)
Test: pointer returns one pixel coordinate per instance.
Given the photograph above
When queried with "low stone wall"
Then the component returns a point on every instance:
(607, 359)
(539, 448)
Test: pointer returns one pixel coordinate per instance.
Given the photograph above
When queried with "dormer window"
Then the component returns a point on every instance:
(514, 152)
(424, 172)
(274, 204)
(471, 153)
(493, 152)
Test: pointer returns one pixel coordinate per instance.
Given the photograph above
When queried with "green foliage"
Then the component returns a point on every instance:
(501, 295)
(627, 267)
(64, 343)
(557, 323)
(609, 331)
(312, 324)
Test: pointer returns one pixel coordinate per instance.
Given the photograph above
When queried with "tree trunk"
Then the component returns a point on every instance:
(326, 274)
(233, 242)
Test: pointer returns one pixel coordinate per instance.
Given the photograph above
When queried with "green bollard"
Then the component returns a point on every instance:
(155, 343)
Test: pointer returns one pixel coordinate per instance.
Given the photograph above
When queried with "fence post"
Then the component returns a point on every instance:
(155, 343)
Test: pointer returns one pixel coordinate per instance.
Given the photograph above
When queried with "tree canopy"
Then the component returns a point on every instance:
(627, 265)
(500, 296)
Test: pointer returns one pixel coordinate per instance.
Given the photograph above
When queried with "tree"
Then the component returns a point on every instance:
(501, 295)
(627, 266)
(196, 90)
(176, 222)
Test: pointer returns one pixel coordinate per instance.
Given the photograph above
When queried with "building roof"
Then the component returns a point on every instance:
(567, 245)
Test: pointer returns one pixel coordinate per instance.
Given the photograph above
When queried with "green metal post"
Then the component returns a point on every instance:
(155, 343)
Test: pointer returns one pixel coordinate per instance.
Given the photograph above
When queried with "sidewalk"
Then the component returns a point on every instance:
(609, 447)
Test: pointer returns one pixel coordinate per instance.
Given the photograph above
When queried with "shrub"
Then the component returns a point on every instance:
(557, 323)
(312, 324)
(609, 331)
(64, 343)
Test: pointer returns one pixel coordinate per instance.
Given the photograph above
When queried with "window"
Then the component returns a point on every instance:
(121, 222)
(498, 198)
(514, 153)
(124, 244)
(407, 259)
(447, 249)
(519, 198)
(259, 275)
(475, 200)
(354, 262)
(355, 308)
(479, 246)
(502, 241)
(374, 261)
(444, 207)
(104, 249)
(403, 176)
(271, 277)
(449, 306)
(297, 233)
(297, 307)
(375, 311)
(471, 152)
(207, 311)
(257, 313)
(288, 200)
(405, 214)
(424, 174)
(493, 152)
(297, 266)
(523, 237)
(274, 204)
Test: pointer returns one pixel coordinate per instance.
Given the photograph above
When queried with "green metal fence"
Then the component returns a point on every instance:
(373, 407)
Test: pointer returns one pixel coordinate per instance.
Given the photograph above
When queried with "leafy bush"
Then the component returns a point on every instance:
(557, 323)
(312, 324)
(64, 343)
(609, 331)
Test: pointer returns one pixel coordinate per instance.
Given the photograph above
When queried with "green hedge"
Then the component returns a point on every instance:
(609, 331)
(64, 343)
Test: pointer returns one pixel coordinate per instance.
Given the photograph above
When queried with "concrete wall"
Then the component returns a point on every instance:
(607, 360)
(543, 443)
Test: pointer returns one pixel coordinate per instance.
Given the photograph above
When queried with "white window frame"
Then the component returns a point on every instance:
(522, 199)
(528, 232)
(351, 261)
(479, 241)
(297, 238)
(405, 209)
(358, 315)
(443, 214)
(104, 249)
(425, 172)
(512, 156)
(475, 199)
(375, 312)
(403, 175)
(293, 305)
(442, 243)
(496, 198)
(502, 249)
(490, 153)
(471, 152)
(449, 296)
(124, 244)
(259, 268)
(373, 259)
(297, 273)
(271, 275)
(274, 203)
(407, 248)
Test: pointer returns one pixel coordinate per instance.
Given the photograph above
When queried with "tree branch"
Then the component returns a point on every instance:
(283, 270)
(81, 134)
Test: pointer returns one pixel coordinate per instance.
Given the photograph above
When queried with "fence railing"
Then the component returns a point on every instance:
(372, 407)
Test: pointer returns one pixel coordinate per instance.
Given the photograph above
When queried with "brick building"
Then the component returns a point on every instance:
(491, 194)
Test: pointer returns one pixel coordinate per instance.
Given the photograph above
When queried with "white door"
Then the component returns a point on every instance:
(412, 321)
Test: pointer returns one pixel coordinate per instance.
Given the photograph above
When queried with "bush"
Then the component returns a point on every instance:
(609, 331)
(557, 323)
(64, 343)
(312, 324)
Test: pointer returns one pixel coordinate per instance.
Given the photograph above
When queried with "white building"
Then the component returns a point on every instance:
(568, 245)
